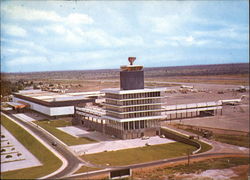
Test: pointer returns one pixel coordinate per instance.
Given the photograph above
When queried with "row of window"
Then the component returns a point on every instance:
(141, 95)
(133, 115)
(134, 124)
(133, 96)
(133, 102)
(133, 108)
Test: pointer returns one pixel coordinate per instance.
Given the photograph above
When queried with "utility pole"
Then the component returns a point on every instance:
(188, 156)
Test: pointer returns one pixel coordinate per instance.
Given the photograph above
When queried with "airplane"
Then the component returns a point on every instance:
(187, 87)
(232, 101)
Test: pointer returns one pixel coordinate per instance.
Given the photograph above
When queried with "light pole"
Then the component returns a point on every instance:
(188, 156)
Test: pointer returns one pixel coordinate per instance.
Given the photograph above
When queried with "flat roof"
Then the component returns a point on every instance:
(119, 91)
(16, 104)
(54, 97)
(134, 119)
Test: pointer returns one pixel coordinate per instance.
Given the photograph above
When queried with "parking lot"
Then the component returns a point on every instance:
(13, 154)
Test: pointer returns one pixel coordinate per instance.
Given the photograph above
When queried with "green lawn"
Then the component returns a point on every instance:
(51, 126)
(139, 155)
(168, 172)
(48, 159)
(86, 169)
(238, 140)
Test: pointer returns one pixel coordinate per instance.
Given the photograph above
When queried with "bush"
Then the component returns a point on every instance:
(2, 136)
(8, 156)
(3, 150)
(19, 154)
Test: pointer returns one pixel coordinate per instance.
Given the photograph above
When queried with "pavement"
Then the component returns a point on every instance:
(233, 118)
(70, 162)
(29, 116)
(115, 145)
(21, 157)
(79, 131)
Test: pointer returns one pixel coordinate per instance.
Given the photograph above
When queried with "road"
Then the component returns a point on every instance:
(160, 162)
(73, 162)
(219, 150)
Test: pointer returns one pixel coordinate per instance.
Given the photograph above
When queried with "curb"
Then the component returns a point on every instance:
(64, 161)
(65, 145)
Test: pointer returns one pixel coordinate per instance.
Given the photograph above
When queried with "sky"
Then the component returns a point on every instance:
(80, 35)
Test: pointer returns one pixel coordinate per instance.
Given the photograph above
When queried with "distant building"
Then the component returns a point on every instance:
(53, 104)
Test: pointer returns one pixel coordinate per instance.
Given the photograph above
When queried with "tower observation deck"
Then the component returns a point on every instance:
(131, 76)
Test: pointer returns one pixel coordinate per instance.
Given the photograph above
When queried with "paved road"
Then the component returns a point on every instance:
(73, 162)
(160, 162)
(218, 150)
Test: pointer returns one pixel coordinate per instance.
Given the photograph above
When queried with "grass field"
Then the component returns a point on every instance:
(168, 172)
(48, 159)
(139, 155)
(238, 140)
(241, 79)
(51, 126)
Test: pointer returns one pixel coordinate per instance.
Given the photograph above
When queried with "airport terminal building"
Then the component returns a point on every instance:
(131, 111)
(53, 104)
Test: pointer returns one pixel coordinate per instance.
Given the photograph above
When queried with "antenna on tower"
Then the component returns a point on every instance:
(131, 60)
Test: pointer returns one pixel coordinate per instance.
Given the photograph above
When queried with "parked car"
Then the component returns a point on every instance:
(145, 137)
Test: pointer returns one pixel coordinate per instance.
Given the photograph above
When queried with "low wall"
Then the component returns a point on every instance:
(171, 135)
(215, 130)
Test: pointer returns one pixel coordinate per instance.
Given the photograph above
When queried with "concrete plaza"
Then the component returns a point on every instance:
(108, 143)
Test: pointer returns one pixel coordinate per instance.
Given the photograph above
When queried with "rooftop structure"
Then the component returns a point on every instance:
(53, 104)
(131, 76)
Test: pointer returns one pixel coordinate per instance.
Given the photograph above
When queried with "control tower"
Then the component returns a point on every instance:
(131, 76)
(132, 111)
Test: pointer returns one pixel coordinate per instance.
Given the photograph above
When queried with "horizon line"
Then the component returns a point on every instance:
(119, 68)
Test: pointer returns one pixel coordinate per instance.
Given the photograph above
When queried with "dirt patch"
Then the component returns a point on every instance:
(238, 172)
(241, 171)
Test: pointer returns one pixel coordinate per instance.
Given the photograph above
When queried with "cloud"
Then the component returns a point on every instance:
(77, 18)
(14, 30)
(27, 45)
(15, 51)
(29, 14)
(176, 41)
(228, 33)
(18, 12)
(88, 35)
(27, 60)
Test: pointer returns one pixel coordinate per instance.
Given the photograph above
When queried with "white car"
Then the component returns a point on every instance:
(145, 137)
